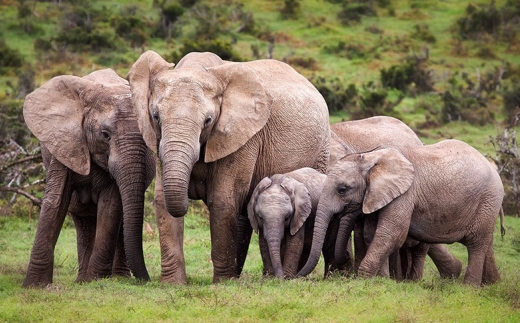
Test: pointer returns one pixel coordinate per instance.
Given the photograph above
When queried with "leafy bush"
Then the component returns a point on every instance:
(337, 96)
(422, 32)
(221, 48)
(169, 15)
(352, 13)
(129, 26)
(80, 31)
(9, 58)
(412, 72)
(347, 50)
(291, 9)
(374, 102)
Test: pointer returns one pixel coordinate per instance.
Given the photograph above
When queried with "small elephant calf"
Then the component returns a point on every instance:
(282, 210)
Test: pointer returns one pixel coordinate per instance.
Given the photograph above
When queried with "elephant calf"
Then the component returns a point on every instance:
(282, 210)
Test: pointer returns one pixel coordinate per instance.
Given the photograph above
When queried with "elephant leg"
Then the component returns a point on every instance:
(56, 199)
(360, 246)
(491, 274)
(120, 266)
(418, 254)
(393, 222)
(394, 265)
(244, 232)
(447, 265)
(343, 244)
(85, 236)
(264, 252)
(292, 253)
(171, 237)
(110, 214)
(329, 248)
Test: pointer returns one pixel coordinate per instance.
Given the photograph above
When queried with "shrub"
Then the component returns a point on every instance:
(350, 51)
(9, 58)
(131, 28)
(169, 15)
(291, 9)
(412, 72)
(422, 32)
(352, 13)
(336, 95)
(221, 48)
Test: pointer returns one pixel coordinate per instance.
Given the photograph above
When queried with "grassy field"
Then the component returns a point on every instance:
(250, 298)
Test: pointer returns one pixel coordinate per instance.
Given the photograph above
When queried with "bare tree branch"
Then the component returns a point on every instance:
(34, 199)
(20, 161)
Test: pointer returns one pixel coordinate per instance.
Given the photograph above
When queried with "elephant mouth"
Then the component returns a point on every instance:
(350, 208)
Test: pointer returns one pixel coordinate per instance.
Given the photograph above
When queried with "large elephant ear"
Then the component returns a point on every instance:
(302, 203)
(107, 77)
(244, 111)
(140, 76)
(54, 114)
(390, 175)
(260, 187)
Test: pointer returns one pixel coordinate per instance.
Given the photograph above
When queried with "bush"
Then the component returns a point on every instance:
(336, 95)
(412, 72)
(352, 13)
(221, 48)
(350, 51)
(291, 9)
(9, 58)
(422, 32)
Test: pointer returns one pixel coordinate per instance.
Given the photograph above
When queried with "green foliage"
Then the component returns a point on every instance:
(219, 47)
(350, 50)
(81, 31)
(291, 9)
(9, 58)
(422, 32)
(169, 14)
(12, 125)
(413, 71)
(351, 13)
(130, 26)
(338, 96)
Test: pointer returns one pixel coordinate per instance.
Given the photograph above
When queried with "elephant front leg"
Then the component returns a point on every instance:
(390, 234)
(120, 266)
(293, 252)
(171, 238)
(55, 203)
(110, 214)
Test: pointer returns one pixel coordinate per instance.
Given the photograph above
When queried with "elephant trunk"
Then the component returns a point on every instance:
(177, 159)
(274, 238)
(344, 232)
(130, 175)
(323, 217)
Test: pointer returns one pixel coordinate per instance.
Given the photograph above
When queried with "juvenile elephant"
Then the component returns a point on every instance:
(282, 210)
(442, 193)
(98, 168)
(218, 129)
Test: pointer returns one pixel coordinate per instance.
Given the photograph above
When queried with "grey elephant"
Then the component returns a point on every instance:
(442, 193)
(282, 210)
(220, 127)
(97, 168)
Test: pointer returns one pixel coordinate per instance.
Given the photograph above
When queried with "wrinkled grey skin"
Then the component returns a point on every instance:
(282, 210)
(408, 263)
(442, 193)
(218, 130)
(98, 168)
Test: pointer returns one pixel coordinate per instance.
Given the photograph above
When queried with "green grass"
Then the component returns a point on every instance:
(250, 298)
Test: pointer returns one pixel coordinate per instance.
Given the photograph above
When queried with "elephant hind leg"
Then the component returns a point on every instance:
(490, 274)
(476, 258)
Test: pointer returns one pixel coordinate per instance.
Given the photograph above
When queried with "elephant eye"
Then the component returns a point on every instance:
(105, 134)
(342, 189)
(155, 116)
(207, 121)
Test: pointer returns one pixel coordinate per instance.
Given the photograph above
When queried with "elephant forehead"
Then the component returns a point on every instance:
(344, 166)
(178, 81)
(274, 195)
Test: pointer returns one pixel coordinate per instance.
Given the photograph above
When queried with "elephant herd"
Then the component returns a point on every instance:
(253, 141)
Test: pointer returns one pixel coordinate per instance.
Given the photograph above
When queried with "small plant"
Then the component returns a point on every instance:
(9, 58)
(422, 32)
(221, 48)
(413, 71)
(352, 13)
(291, 9)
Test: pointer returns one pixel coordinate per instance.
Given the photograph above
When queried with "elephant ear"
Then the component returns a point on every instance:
(141, 76)
(390, 175)
(54, 114)
(107, 77)
(260, 187)
(302, 203)
(244, 111)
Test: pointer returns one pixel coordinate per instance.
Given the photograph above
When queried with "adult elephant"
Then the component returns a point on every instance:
(442, 193)
(219, 130)
(407, 263)
(98, 168)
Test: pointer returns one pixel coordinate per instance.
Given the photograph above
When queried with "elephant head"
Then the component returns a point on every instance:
(85, 120)
(277, 204)
(358, 183)
(190, 112)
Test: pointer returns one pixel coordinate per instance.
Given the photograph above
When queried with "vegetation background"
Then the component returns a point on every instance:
(450, 69)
